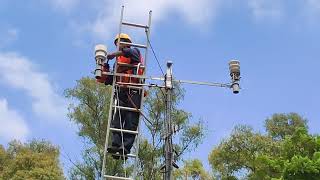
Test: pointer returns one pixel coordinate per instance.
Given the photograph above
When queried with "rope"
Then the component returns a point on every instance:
(155, 56)
(135, 106)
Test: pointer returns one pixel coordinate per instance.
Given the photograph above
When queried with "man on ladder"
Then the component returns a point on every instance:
(126, 99)
(122, 142)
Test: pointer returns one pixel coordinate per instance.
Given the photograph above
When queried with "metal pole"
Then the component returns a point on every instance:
(168, 123)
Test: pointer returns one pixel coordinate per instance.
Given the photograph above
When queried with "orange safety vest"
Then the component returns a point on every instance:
(128, 70)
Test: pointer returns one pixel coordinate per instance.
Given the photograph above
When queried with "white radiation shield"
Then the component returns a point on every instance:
(234, 67)
(100, 52)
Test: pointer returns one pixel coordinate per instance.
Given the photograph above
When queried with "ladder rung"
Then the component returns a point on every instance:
(124, 130)
(135, 25)
(125, 75)
(127, 108)
(116, 177)
(138, 85)
(130, 65)
(130, 86)
(126, 155)
(134, 45)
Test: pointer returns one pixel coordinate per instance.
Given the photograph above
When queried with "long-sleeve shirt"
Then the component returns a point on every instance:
(133, 54)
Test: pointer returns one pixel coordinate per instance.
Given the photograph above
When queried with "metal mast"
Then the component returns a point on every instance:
(168, 123)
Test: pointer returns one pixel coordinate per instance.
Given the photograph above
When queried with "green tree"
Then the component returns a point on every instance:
(239, 152)
(302, 154)
(34, 160)
(281, 125)
(192, 169)
(187, 135)
(287, 151)
(90, 112)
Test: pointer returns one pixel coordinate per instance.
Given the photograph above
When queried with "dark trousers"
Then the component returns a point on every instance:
(129, 120)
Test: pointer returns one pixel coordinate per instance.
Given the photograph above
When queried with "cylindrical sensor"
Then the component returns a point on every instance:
(235, 88)
(98, 71)
(100, 51)
(234, 67)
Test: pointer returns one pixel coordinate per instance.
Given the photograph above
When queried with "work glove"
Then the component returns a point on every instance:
(110, 56)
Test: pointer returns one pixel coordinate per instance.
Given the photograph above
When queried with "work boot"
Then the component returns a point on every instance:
(113, 149)
(118, 156)
(120, 150)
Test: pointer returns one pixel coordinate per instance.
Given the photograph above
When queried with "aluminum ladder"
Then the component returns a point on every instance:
(113, 103)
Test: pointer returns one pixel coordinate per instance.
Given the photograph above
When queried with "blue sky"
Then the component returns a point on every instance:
(45, 46)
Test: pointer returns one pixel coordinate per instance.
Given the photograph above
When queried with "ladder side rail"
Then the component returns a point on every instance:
(137, 144)
(148, 40)
(142, 94)
(111, 104)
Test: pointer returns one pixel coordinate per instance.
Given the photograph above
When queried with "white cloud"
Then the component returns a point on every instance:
(194, 12)
(313, 9)
(64, 4)
(197, 13)
(8, 36)
(13, 126)
(13, 33)
(262, 9)
(314, 3)
(20, 73)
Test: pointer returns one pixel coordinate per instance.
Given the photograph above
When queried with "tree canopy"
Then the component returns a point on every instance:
(34, 160)
(90, 111)
(192, 169)
(287, 151)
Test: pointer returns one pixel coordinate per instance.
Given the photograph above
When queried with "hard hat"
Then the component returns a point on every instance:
(122, 36)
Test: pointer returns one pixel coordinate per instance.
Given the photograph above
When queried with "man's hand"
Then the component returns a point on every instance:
(110, 56)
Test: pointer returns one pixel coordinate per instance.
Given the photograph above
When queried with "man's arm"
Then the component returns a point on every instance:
(132, 53)
(115, 54)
